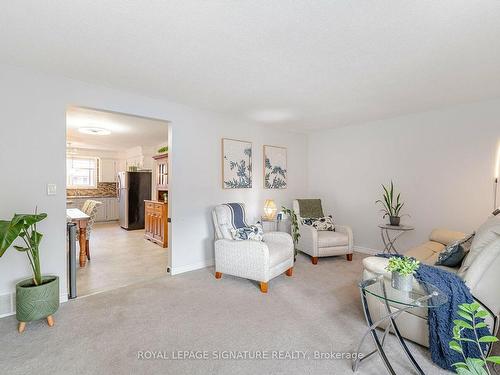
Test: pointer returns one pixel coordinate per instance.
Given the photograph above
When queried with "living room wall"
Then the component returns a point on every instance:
(442, 162)
(33, 151)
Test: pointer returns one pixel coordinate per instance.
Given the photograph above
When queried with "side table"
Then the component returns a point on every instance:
(427, 295)
(386, 238)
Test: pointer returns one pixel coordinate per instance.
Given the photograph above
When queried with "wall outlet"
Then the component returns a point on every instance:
(51, 189)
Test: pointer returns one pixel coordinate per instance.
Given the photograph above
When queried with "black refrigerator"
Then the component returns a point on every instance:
(133, 189)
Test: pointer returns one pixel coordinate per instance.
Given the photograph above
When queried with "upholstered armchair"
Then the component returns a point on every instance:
(255, 260)
(90, 207)
(320, 243)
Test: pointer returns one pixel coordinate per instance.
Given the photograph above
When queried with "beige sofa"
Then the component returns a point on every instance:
(480, 270)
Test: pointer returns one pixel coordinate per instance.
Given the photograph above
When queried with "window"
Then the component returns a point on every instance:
(81, 172)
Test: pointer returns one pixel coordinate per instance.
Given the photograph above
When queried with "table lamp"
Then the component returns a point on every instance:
(270, 209)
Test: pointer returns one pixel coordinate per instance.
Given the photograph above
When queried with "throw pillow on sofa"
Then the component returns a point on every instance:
(453, 254)
(252, 232)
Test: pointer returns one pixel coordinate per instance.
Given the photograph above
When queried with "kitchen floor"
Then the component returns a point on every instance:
(119, 258)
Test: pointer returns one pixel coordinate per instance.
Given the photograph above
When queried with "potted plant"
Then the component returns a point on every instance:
(38, 296)
(295, 227)
(391, 207)
(473, 320)
(402, 269)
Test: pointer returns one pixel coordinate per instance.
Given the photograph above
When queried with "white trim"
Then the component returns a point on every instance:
(366, 250)
(192, 267)
(62, 298)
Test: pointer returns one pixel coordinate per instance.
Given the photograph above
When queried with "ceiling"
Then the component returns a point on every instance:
(302, 65)
(126, 131)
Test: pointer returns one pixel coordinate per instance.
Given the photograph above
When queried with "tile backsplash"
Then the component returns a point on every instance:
(104, 189)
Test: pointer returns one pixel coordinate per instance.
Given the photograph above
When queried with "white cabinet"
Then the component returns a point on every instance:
(111, 209)
(108, 170)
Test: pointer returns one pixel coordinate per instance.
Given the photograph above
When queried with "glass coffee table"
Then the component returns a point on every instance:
(396, 302)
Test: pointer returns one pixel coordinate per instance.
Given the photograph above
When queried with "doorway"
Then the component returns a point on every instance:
(117, 195)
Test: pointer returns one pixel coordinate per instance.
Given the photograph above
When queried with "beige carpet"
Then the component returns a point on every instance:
(318, 309)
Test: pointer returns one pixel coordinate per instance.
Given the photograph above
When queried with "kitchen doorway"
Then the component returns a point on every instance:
(117, 188)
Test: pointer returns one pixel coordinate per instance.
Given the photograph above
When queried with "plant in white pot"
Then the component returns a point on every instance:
(38, 296)
(402, 269)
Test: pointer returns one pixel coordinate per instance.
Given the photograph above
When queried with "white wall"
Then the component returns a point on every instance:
(33, 149)
(442, 161)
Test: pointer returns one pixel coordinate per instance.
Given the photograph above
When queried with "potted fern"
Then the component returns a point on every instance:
(391, 207)
(402, 269)
(36, 297)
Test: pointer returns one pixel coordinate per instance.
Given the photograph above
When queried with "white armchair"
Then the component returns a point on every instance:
(255, 260)
(323, 243)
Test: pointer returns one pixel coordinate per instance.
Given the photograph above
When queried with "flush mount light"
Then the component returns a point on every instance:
(94, 131)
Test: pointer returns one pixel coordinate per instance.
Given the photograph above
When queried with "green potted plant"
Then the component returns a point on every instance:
(391, 207)
(38, 296)
(402, 269)
(163, 150)
(295, 227)
(471, 312)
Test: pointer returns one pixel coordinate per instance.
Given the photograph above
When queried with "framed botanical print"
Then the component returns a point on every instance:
(236, 164)
(275, 167)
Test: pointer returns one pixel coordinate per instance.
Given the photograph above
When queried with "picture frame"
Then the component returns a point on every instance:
(236, 164)
(275, 168)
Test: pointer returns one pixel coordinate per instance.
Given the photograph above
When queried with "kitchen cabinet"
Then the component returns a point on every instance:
(107, 211)
(156, 222)
(108, 170)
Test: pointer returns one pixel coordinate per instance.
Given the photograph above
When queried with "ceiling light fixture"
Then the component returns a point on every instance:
(95, 131)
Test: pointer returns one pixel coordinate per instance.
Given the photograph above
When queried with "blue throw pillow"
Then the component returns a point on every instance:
(454, 253)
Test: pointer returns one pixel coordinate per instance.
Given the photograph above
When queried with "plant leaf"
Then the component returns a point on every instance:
(494, 359)
(455, 346)
(482, 314)
(21, 249)
(465, 315)
(463, 324)
(9, 231)
(488, 339)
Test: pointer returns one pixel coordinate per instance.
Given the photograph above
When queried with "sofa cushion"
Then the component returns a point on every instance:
(426, 252)
(322, 223)
(331, 239)
(487, 233)
(252, 232)
(445, 236)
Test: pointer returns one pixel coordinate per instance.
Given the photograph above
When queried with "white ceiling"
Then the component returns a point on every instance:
(126, 131)
(298, 64)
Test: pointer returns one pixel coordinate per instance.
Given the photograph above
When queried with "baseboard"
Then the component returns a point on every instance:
(366, 250)
(192, 267)
(8, 305)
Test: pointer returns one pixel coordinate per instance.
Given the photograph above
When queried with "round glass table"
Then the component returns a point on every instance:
(396, 302)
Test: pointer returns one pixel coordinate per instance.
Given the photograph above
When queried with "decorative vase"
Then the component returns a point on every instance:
(394, 220)
(402, 282)
(35, 302)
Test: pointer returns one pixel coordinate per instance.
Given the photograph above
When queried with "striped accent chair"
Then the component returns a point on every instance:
(255, 260)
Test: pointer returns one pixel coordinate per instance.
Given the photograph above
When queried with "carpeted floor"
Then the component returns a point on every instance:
(318, 309)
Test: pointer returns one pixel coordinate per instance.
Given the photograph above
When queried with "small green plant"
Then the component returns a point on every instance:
(390, 207)
(163, 150)
(403, 265)
(471, 313)
(23, 226)
(295, 225)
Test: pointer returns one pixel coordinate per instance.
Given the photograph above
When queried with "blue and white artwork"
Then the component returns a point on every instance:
(275, 168)
(236, 164)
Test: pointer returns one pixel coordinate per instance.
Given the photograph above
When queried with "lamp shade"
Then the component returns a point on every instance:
(270, 209)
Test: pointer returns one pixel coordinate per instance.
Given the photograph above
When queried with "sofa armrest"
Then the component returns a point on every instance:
(347, 230)
(282, 238)
(248, 259)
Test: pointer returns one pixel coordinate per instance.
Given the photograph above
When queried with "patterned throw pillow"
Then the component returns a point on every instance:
(453, 254)
(252, 232)
(323, 223)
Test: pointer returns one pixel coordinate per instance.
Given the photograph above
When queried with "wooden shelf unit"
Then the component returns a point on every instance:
(156, 222)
